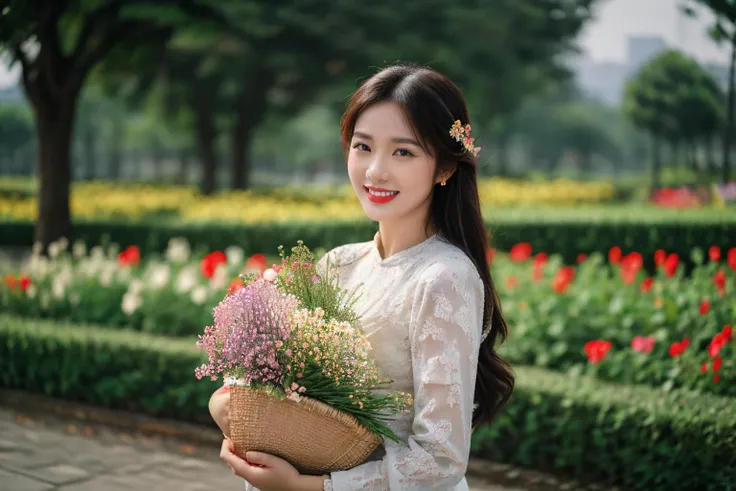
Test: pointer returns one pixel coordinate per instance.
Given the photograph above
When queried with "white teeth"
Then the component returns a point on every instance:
(378, 193)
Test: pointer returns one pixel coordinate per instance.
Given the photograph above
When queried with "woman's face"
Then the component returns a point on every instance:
(390, 172)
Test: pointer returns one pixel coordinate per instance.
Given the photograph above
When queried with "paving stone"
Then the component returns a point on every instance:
(17, 482)
(60, 473)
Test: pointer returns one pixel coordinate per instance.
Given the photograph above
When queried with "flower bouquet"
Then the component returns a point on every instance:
(303, 384)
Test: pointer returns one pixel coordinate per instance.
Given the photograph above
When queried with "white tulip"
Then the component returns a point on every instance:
(159, 276)
(235, 256)
(270, 275)
(187, 279)
(199, 295)
(131, 303)
(178, 250)
(79, 250)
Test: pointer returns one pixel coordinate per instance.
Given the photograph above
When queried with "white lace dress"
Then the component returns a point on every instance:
(422, 311)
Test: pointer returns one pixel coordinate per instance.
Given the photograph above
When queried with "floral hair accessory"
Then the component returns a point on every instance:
(462, 134)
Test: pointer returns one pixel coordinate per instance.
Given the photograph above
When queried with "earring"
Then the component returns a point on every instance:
(443, 183)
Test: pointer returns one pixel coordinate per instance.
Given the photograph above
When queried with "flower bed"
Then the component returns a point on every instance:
(635, 436)
(605, 316)
(104, 200)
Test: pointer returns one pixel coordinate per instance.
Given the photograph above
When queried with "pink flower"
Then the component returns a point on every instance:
(642, 344)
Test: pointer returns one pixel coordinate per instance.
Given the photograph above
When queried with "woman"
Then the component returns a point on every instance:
(429, 306)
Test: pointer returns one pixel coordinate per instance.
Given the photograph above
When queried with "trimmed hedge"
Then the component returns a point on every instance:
(634, 436)
(553, 233)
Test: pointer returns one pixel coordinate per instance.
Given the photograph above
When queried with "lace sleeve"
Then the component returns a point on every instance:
(445, 337)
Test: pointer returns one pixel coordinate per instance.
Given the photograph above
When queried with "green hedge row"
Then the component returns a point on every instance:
(567, 235)
(632, 436)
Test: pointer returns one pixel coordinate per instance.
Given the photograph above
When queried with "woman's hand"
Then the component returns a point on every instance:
(265, 472)
(220, 409)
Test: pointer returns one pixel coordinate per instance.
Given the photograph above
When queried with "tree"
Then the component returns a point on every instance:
(724, 31)
(57, 45)
(675, 100)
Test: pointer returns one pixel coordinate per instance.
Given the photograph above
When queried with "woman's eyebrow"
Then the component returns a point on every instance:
(366, 136)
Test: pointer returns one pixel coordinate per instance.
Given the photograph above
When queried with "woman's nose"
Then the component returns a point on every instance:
(376, 171)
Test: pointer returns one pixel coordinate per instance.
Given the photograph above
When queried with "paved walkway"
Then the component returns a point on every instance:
(51, 452)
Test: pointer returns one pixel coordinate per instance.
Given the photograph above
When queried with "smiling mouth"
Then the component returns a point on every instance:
(380, 194)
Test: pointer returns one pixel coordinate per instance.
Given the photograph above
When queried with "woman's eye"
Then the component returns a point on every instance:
(404, 152)
(362, 147)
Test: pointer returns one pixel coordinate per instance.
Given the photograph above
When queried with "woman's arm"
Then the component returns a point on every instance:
(219, 406)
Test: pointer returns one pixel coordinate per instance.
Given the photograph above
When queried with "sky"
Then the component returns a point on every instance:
(604, 39)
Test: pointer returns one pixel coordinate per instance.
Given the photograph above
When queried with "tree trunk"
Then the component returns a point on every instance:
(251, 109)
(54, 117)
(656, 163)
(241, 138)
(205, 130)
(729, 128)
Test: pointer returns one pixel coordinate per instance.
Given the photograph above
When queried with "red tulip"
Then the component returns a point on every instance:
(210, 262)
(714, 253)
(597, 350)
(521, 252)
(563, 278)
(731, 258)
(130, 256)
(582, 257)
(678, 348)
(614, 255)
(646, 285)
(717, 378)
(540, 259)
(256, 262)
(670, 265)
(704, 307)
(717, 364)
(659, 257)
(24, 282)
(704, 368)
(719, 280)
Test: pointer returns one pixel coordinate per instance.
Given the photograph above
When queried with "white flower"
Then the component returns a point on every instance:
(58, 287)
(199, 295)
(32, 291)
(106, 276)
(37, 248)
(178, 250)
(131, 303)
(97, 253)
(235, 256)
(187, 279)
(220, 278)
(135, 287)
(159, 275)
(79, 250)
(113, 251)
(54, 250)
(270, 275)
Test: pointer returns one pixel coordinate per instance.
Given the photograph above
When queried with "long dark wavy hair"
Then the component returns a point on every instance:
(432, 103)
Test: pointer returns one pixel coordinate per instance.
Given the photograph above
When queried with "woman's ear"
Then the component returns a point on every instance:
(445, 174)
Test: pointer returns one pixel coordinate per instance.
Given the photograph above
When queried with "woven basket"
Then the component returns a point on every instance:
(312, 436)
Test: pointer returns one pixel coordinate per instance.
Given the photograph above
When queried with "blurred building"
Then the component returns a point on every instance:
(606, 81)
